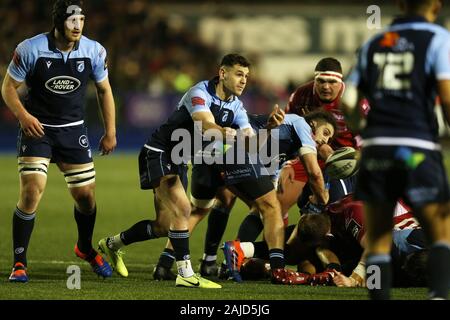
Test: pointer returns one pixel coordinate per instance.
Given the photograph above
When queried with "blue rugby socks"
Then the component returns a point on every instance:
(438, 270)
(23, 224)
(379, 276)
(85, 224)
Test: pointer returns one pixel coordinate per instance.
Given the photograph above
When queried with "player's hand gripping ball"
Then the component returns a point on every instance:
(342, 163)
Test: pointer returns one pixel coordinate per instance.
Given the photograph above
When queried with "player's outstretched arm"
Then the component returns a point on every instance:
(30, 125)
(357, 278)
(274, 120)
(105, 98)
(208, 123)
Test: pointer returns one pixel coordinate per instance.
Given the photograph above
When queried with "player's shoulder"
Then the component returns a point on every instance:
(197, 95)
(436, 30)
(441, 35)
(439, 30)
(305, 88)
(90, 45)
(431, 27)
(238, 102)
(38, 42)
(199, 89)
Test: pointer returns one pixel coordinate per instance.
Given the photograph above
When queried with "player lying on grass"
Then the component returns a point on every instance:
(347, 247)
(303, 239)
(348, 228)
(342, 252)
(294, 136)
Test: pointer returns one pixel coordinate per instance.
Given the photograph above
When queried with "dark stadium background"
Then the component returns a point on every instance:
(158, 49)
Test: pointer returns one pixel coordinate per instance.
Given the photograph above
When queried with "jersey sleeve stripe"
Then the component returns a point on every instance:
(102, 79)
(443, 76)
(200, 109)
(15, 77)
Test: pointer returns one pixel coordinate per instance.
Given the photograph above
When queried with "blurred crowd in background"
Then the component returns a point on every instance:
(149, 55)
(145, 52)
(153, 58)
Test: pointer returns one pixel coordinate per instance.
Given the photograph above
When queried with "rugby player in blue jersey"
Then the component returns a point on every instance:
(56, 67)
(400, 71)
(296, 136)
(212, 104)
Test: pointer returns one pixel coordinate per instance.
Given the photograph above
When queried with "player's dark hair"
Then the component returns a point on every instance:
(321, 114)
(60, 14)
(415, 268)
(232, 59)
(313, 228)
(329, 64)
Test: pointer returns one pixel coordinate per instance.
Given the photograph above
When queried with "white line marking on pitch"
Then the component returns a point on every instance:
(150, 265)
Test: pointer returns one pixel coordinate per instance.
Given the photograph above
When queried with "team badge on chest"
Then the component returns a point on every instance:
(80, 66)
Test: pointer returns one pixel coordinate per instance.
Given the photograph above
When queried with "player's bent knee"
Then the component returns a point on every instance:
(268, 202)
(80, 177)
(202, 203)
(184, 211)
(182, 208)
(85, 198)
(29, 200)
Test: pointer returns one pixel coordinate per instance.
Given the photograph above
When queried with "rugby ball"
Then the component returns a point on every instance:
(342, 163)
(342, 153)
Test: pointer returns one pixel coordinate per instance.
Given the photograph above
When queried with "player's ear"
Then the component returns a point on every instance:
(313, 124)
(222, 72)
(437, 6)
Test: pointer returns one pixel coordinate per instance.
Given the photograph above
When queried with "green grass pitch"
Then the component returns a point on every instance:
(120, 204)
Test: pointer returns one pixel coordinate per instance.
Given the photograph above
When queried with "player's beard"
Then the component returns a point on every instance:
(71, 38)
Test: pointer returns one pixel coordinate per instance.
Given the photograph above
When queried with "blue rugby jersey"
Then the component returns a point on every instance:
(57, 80)
(293, 133)
(201, 97)
(397, 71)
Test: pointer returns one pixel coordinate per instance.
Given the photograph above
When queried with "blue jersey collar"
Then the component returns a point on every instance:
(409, 19)
(52, 44)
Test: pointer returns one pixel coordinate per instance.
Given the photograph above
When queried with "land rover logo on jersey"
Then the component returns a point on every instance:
(83, 141)
(63, 84)
(80, 66)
